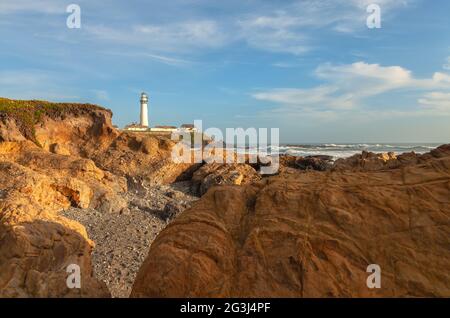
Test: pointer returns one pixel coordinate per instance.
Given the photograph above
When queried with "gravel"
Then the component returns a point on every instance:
(122, 240)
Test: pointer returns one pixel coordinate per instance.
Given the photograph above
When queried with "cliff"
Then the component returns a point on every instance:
(311, 234)
(56, 126)
(310, 231)
(54, 157)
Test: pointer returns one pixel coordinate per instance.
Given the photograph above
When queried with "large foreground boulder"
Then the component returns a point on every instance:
(313, 236)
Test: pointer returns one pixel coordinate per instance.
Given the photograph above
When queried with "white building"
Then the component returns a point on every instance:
(143, 123)
(136, 127)
(163, 129)
(144, 110)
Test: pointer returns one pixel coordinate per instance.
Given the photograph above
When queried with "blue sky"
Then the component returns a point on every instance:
(311, 68)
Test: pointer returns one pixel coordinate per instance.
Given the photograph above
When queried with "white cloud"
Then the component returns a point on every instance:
(203, 33)
(42, 6)
(317, 99)
(276, 33)
(280, 28)
(176, 37)
(437, 101)
(367, 79)
(286, 29)
(348, 87)
(388, 4)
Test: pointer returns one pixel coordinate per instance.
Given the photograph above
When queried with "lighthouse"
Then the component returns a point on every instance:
(144, 110)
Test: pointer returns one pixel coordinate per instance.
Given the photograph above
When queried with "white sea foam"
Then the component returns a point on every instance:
(342, 150)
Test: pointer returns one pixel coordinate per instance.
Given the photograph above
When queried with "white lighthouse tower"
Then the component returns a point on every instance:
(144, 110)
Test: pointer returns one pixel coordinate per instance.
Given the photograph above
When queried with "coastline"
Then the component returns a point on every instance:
(345, 150)
(76, 190)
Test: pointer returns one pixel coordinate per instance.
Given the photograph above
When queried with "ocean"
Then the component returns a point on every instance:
(346, 150)
(339, 150)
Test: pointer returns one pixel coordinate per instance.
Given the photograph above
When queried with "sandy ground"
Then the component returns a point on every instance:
(123, 240)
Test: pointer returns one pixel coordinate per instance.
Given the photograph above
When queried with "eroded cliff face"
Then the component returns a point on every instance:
(311, 235)
(80, 135)
(36, 244)
(53, 157)
(86, 131)
(298, 234)
(147, 157)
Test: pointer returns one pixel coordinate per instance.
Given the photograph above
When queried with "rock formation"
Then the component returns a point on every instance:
(222, 174)
(318, 163)
(369, 161)
(49, 161)
(143, 156)
(37, 245)
(312, 236)
(310, 231)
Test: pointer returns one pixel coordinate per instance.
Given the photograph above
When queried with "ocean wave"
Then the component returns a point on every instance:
(342, 150)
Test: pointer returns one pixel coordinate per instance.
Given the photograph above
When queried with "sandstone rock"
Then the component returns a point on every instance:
(288, 161)
(83, 182)
(292, 164)
(48, 162)
(150, 146)
(162, 201)
(80, 133)
(86, 131)
(171, 210)
(299, 234)
(59, 149)
(148, 157)
(312, 236)
(83, 129)
(319, 163)
(367, 161)
(9, 130)
(440, 152)
(221, 174)
(37, 245)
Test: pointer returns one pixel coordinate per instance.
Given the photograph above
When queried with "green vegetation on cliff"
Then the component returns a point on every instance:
(28, 113)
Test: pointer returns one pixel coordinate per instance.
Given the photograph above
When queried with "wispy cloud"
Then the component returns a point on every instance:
(280, 28)
(169, 60)
(348, 87)
(274, 34)
(436, 101)
(287, 29)
(42, 6)
(179, 37)
(274, 27)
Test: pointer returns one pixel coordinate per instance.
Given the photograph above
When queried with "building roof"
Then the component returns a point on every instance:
(187, 126)
(166, 127)
(135, 126)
